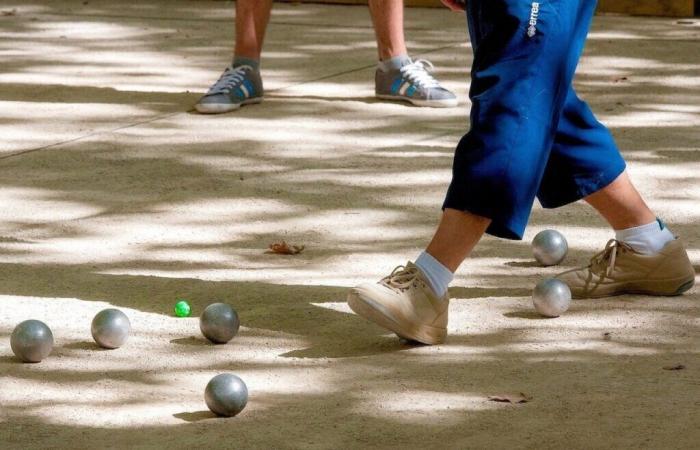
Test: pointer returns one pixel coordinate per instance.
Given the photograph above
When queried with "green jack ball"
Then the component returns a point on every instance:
(182, 309)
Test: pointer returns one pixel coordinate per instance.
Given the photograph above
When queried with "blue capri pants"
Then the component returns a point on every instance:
(530, 136)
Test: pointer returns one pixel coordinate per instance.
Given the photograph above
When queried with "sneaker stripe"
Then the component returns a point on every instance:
(405, 86)
(238, 93)
(244, 90)
(410, 91)
(396, 85)
(249, 87)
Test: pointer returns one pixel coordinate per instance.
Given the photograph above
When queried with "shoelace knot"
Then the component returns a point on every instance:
(418, 72)
(231, 78)
(401, 278)
(604, 261)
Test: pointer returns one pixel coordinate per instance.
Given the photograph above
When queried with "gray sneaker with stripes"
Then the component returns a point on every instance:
(413, 83)
(237, 86)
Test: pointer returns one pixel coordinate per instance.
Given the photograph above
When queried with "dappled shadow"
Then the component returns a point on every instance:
(151, 204)
(362, 345)
(10, 360)
(479, 292)
(192, 341)
(195, 416)
(523, 264)
(305, 363)
(532, 315)
(84, 345)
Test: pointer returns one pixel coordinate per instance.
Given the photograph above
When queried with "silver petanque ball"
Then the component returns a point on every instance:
(31, 341)
(226, 395)
(110, 328)
(549, 247)
(219, 323)
(551, 297)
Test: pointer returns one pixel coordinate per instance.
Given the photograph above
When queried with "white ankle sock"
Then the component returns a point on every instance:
(439, 277)
(647, 239)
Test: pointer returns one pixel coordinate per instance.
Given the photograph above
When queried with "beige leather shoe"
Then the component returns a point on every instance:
(404, 303)
(618, 269)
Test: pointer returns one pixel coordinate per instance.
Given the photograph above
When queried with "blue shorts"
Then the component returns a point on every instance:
(530, 136)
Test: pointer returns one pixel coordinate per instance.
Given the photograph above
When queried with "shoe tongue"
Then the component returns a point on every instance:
(411, 266)
(239, 69)
(401, 275)
(395, 63)
(406, 61)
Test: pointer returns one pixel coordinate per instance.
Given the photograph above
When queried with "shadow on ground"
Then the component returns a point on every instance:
(136, 203)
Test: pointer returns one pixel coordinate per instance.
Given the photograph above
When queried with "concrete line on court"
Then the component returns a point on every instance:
(93, 133)
(318, 25)
(360, 69)
(176, 113)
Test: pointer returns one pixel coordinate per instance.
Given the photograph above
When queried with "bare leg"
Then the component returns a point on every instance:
(387, 17)
(387, 303)
(621, 205)
(252, 17)
(456, 236)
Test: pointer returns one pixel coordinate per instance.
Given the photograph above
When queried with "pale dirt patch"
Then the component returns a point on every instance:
(179, 205)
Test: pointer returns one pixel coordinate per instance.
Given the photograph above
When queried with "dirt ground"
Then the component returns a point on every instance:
(114, 193)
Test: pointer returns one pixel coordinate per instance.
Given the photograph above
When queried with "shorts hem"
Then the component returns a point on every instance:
(585, 187)
(498, 227)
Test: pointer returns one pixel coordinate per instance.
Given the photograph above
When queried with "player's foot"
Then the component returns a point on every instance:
(413, 83)
(237, 86)
(618, 269)
(404, 303)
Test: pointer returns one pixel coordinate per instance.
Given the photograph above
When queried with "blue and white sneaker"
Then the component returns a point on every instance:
(237, 86)
(413, 83)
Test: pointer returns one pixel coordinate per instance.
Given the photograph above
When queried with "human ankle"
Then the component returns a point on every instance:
(246, 61)
(394, 62)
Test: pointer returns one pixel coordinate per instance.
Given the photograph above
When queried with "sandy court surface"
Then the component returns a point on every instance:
(114, 194)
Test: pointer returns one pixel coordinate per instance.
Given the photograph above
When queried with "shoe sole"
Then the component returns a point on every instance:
(367, 308)
(220, 108)
(449, 103)
(665, 288)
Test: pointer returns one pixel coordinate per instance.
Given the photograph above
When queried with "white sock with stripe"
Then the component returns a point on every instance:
(647, 239)
(439, 277)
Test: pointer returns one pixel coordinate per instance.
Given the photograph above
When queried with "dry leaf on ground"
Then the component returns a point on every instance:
(674, 367)
(511, 398)
(282, 248)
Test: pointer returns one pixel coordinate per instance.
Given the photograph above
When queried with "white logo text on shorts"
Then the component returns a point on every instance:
(534, 12)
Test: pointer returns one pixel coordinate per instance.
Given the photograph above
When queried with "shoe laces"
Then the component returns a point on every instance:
(231, 78)
(604, 261)
(401, 278)
(418, 72)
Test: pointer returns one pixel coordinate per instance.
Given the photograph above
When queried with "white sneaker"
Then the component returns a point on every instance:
(404, 303)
